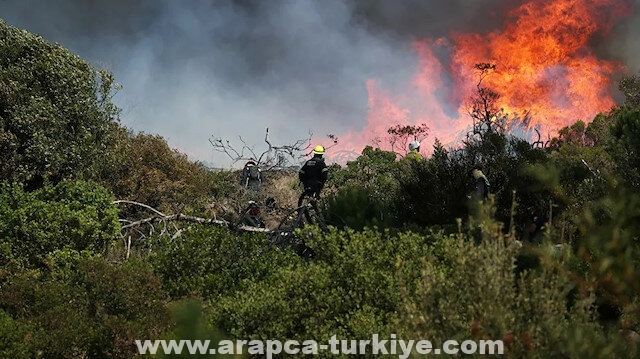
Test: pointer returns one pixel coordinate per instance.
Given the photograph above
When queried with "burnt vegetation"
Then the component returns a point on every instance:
(108, 236)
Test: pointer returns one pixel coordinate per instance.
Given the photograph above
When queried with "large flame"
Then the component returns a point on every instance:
(544, 67)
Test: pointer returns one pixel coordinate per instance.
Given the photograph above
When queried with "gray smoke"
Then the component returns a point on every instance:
(190, 69)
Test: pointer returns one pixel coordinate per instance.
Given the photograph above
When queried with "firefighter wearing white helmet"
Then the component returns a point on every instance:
(313, 173)
(414, 151)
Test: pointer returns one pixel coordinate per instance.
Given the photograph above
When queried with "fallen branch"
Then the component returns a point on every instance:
(596, 173)
(161, 217)
(139, 204)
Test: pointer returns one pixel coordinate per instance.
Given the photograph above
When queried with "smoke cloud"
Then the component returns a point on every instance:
(193, 69)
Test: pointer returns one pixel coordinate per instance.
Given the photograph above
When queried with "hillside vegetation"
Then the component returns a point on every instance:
(414, 256)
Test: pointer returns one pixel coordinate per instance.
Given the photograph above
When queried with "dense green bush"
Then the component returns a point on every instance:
(81, 306)
(625, 144)
(207, 262)
(76, 215)
(189, 323)
(357, 208)
(477, 294)
(56, 117)
(147, 170)
(425, 286)
(15, 338)
(609, 242)
(351, 289)
(373, 174)
(433, 192)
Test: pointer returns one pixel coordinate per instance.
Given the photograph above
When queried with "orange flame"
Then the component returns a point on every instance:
(544, 66)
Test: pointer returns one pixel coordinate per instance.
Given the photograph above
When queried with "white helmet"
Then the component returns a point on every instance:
(413, 145)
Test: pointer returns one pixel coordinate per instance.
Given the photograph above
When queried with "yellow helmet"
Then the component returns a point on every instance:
(318, 150)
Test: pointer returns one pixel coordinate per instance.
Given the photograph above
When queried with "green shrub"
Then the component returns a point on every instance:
(15, 341)
(189, 323)
(209, 261)
(625, 144)
(351, 289)
(476, 294)
(149, 171)
(372, 174)
(76, 215)
(81, 306)
(357, 207)
(56, 117)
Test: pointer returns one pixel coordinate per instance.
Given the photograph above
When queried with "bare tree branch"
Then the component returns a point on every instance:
(274, 156)
(139, 204)
(220, 146)
(182, 217)
(596, 173)
(400, 136)
(159, 217)
(483, 106)
(269, 148)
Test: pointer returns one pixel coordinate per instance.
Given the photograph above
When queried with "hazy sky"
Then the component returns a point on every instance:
(193, 69)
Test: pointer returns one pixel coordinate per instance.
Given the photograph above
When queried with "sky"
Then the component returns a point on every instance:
(195, 70)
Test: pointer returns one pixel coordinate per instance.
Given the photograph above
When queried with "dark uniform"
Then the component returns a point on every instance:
(482, 188)
(252, 176)
(313, 175)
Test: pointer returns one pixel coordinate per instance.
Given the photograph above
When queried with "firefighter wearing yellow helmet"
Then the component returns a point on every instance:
(313, 173)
